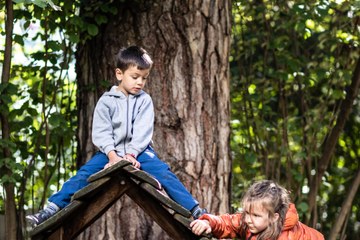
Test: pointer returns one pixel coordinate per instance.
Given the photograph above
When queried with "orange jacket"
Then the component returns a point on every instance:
(229, 225)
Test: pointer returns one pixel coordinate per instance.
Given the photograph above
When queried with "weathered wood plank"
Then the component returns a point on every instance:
(142, 176)
(105, 188)
(156, 211)
(186, 222)
(55, 221)
(58, 235)
(108, 171)
(90, 189)
(164, 199)
(98, 205)
(75, 218)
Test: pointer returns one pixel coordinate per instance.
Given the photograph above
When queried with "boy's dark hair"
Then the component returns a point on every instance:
(133, 56)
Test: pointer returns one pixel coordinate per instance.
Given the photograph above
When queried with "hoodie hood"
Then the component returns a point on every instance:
(291, 218)
(115, 93)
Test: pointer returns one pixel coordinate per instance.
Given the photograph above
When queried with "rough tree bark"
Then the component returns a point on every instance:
(190, 44)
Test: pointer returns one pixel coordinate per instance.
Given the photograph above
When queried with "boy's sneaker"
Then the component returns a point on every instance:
(43, 215)
(39, 217)
(198, 212)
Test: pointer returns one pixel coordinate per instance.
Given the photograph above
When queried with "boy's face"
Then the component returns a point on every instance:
(132, 80)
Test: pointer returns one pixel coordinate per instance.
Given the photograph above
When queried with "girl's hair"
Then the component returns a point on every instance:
(271, 197)
(133, 56)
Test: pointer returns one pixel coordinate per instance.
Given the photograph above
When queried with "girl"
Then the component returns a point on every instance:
(267, 215)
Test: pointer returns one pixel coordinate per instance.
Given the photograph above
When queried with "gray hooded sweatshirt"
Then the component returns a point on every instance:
(123, 123)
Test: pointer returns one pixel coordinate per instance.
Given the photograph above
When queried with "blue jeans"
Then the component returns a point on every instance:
(149, 163)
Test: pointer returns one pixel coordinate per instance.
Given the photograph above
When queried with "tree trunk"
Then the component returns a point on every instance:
(345, 208)
(332, 139)
(189, 84)
(10, 207)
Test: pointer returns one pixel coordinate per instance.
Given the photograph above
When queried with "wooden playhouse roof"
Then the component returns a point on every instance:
(105, 188)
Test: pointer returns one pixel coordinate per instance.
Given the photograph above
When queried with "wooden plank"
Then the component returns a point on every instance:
(186, 222)
(58, 235)
(88, 191)
(183, 220)
(142, 176)
(108, 171)
(56, 220)
(128, 169)
(99, 204)
(72, 222)
(164, 199)
(156, 211)
(105, 188)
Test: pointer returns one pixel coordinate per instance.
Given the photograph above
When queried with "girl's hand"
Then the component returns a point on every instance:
(200, 226)
(133, 160)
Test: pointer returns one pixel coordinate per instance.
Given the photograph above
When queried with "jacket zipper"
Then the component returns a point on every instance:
(127, 123)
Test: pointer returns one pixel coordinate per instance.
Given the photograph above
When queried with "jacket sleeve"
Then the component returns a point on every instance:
(102, 132)
(224, 226)
(143, 127)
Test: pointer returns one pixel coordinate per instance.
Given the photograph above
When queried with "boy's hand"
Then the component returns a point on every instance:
(113, 158)
(133, 160)
(200, 226)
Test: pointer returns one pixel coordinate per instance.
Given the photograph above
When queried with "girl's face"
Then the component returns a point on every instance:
(257, 217)
(132, 80)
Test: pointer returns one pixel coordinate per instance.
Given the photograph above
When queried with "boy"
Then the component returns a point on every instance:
(122, 130)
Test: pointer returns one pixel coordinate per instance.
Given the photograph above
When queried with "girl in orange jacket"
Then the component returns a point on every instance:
(267, 215)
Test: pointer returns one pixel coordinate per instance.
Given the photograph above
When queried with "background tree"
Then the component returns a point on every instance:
(190, 88)
(293, 74)
(294, 87)
(37, 107)
(5, 143)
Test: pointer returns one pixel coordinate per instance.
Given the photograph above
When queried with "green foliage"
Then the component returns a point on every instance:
(39, 101)
(40, 98)
(291, 63)
(39, 3)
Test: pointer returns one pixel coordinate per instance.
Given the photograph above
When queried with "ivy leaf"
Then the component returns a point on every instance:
(303, 207)
(54, 45)
(92, 29)
(100, 19)
(18, 39)
(74, 38)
